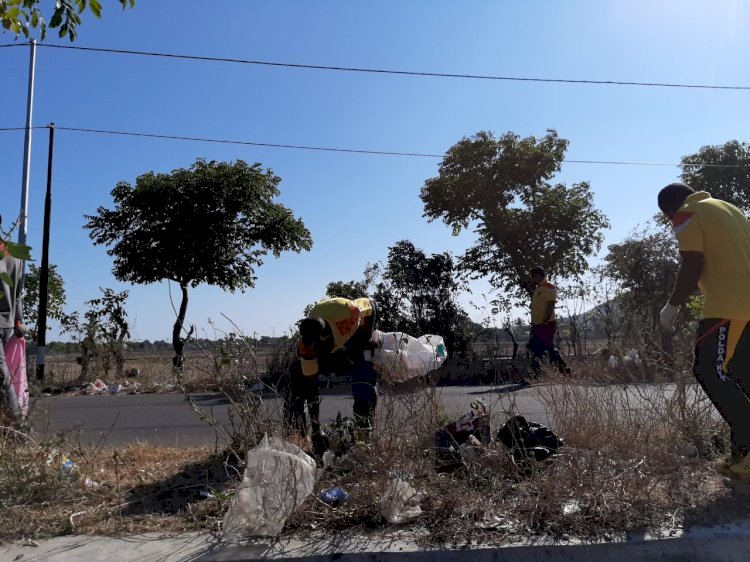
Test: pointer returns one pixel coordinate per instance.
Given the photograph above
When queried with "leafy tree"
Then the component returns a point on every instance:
(722, 170)
(501, 187)
(645, 266)
(211, 223)
(22, 16)
(418, 295)
(55, 299)
(101, 336)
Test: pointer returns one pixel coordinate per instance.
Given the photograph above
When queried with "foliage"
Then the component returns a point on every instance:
(722, 170)
(212, 223)
(102, 335)
(645, 265)
(418, 295)
(55, 298)
(500, 186)
(23, 16)
(19, 251)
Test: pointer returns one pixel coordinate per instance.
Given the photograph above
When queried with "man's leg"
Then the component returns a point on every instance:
(730, 401)
(365, 393)
(295, 404)
(8, 398)
(536, 352)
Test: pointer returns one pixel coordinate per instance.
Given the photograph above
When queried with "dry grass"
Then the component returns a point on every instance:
(622, 469)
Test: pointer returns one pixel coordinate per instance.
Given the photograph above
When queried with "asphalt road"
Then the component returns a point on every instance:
(168, 419)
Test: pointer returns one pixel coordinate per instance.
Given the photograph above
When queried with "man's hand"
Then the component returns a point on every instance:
(19, 330)
(668, 315)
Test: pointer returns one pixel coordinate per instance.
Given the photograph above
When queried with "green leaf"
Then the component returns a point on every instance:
(20, 251)
(96, 8)
(5, 278)
(56, 18)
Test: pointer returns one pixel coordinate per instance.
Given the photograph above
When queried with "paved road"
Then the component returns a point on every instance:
(167, 419)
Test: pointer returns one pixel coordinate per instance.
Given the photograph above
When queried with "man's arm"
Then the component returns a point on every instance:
(18, 289)
(690, 272)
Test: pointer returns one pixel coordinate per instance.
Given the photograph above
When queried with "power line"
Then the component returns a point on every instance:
(393, 72)
(342, 149)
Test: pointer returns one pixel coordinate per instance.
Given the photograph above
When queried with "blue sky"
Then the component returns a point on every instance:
(356, 206)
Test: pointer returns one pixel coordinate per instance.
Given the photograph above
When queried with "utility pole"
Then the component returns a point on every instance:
(44, 272)
(22, 226)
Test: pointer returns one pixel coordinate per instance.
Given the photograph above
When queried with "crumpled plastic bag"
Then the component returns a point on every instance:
(278, 478)
(399, 503)
(400, 357)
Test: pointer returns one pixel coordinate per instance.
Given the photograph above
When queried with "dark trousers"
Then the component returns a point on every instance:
(365, 393)
(541, 343)
(729, 391)
(302, 390)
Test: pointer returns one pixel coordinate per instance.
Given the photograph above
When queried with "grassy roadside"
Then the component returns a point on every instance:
(634, 460)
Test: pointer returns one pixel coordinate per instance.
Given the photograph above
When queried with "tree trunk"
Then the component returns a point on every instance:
(178, 343)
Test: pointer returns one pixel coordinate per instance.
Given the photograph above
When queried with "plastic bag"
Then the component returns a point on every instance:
(400, 357)
(15, 358)
(278, 478)
(400, 502)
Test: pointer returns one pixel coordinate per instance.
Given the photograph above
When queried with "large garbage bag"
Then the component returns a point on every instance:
(528, 440)
(278, 478)
(399, 502)
(400, 357)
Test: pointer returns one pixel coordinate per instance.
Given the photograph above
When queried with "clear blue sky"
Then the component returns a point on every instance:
(356, 206)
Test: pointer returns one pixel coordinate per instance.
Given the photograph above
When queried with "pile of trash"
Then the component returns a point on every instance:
(101, 387)
(469, 437)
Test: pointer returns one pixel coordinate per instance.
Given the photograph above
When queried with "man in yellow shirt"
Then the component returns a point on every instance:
(543, 323)
(714, 242)
(334, 328)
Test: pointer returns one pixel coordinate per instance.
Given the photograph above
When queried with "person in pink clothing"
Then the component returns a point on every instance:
(11, 314)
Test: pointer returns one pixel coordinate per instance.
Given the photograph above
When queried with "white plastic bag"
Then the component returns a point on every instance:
(278, 478)
(400, 502)
(400, 357)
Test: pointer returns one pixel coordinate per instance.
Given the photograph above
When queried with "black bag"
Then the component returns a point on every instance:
(528, 439)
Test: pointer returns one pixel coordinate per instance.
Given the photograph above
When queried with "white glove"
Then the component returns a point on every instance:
(668, 315)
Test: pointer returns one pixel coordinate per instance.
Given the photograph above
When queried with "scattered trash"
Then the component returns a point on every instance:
(96, 387)
(67, 467)
(528, 440)
(328, 458)
(334, 496)
(462, 437)
(400, 357)
(631, 357)
(114, 389)
(571, 507)
(91, 484)
(29, 542)
(278, 478)
(400, 502)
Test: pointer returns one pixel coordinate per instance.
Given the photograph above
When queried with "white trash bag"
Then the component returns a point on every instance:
(278, 478)
(400, 357)
(400, 502)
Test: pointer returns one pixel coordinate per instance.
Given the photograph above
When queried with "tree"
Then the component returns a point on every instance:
(645, 266)
(418, 295)
(56, 299)
(722, 170)
(22, 16)
(211, 223)
(501, 187)
(102, 335)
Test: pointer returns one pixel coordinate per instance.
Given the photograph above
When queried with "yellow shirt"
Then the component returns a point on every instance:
(344, 316)
(722, 233)
(544, 293)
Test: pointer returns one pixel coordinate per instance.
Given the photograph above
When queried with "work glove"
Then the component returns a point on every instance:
(668, 315)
